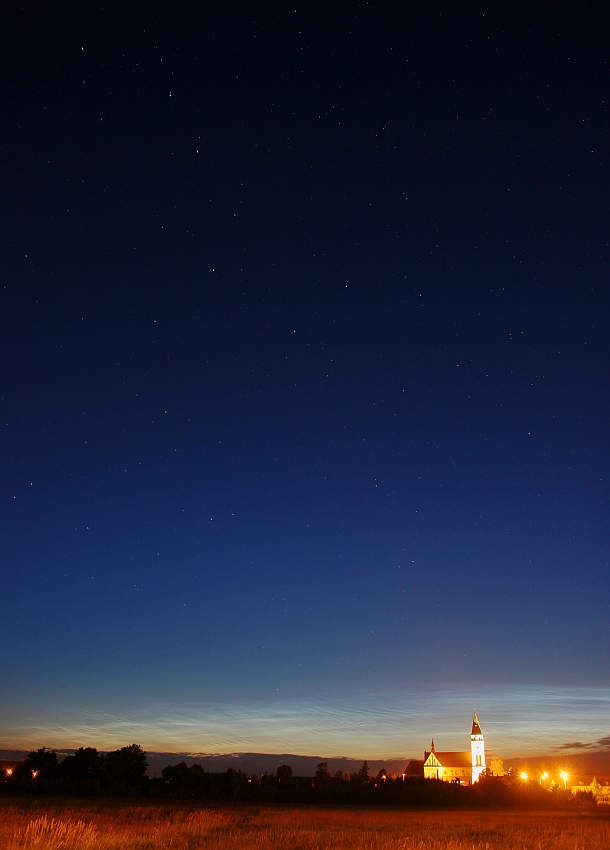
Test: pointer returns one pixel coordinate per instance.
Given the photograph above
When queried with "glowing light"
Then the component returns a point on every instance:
(524, 776)
(564, 776)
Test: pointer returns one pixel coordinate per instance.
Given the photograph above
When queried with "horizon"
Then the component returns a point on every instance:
(596, 762)
(516, 723)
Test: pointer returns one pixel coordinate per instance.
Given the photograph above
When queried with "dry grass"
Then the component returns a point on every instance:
(35, 825)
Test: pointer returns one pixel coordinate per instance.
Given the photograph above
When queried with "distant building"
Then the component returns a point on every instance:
(495, 767)
(599, 789)
(463, 767)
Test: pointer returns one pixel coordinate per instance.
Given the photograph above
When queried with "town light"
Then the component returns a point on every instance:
(564, 776)
(524, 776)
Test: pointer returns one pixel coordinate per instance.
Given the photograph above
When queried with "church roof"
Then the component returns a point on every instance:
(448, 759)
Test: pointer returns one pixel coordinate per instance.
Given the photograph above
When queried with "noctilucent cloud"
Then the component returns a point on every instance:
(304, 379)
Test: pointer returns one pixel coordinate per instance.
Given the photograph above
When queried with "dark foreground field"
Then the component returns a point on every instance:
(108, 825)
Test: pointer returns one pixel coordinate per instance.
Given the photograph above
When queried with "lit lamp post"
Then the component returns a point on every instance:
(544, 777)
(564, 776)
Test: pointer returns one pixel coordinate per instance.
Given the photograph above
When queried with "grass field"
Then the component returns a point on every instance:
(109, 825)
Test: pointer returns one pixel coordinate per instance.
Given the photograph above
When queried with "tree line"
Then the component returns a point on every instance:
(123, 772)
(87, 770)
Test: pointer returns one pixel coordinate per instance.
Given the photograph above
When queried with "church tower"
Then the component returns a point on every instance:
(477, 748)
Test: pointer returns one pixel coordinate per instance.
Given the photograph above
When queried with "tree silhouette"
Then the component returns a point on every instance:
(322, 773)
(363, 773)
(43, 763)
(85, 764)
(283, 772)
(125, 767)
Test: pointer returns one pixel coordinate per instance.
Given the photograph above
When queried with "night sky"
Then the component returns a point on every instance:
(304, 395)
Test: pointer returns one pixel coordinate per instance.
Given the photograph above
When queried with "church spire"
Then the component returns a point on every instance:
(477, 748)
(476, 729)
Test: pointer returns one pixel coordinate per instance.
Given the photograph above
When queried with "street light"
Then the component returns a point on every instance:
(564, 776)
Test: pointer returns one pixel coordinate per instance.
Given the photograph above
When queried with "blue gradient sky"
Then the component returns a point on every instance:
(304, 354)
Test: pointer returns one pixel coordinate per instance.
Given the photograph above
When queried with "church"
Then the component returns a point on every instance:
(465, 768)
